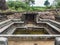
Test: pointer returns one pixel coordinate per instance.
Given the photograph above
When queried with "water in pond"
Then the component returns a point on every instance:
(32, 31)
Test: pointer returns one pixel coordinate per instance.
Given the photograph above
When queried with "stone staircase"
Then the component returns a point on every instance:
(5, 24)
(55, 26)
(8, 27)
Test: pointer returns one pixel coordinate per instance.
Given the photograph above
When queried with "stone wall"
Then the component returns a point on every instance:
(3, 18)
(43, 15)
(30, 38)
(46, 15)
(15, 16)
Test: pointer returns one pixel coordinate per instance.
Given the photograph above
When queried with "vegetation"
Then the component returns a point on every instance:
(58, 5)
(21, 31)
(24, 6)
(29, 2)
(17, 6)
(47, 3)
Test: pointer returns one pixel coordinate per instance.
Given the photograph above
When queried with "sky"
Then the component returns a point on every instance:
(41, 2)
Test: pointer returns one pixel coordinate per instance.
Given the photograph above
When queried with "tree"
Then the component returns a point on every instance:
(3, 5)
(47, 3)
(29, 2)
(58, 5)
(32, 2)
(17, 4)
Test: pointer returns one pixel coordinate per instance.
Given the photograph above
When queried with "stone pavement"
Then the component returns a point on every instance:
(31, 42)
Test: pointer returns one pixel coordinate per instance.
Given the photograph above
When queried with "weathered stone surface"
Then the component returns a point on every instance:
(15, 15)
(31, 42)
(3, 5)
(46, 15)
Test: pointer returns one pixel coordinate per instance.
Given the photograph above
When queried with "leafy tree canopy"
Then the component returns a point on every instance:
(47, 3)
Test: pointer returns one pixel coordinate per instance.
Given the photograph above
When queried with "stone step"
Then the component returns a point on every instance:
(4, 28)
(4, 23)
(54, 27)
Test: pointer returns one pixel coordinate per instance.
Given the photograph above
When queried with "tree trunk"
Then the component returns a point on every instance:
(3, 5)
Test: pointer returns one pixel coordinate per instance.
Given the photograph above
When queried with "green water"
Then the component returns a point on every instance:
(34, 31)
